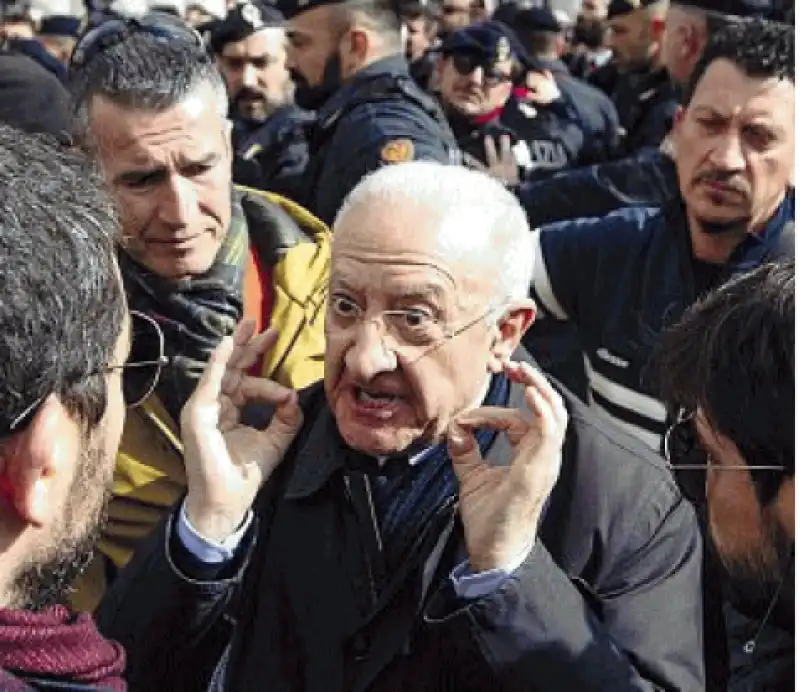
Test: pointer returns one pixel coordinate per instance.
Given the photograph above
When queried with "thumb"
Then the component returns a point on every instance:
(284, 425)
(463, 450)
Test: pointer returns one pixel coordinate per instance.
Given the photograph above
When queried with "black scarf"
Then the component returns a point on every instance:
(194, 314)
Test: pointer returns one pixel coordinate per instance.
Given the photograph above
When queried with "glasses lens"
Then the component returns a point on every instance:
(685, 449)
(464, 63)
(144, 363)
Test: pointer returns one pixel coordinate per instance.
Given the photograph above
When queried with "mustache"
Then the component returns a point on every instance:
(726, 178)
(248, 94)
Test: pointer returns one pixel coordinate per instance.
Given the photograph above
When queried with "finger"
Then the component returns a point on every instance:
(532, 377)
(264, 390)
(283, 428)
(507, 420)
(254, 350)
(491, 151)
(210, 385)
(242, 336)
(505, 148)
(463, 450)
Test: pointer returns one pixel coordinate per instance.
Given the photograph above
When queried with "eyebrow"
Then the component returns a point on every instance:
(160, 170)
(420, 291)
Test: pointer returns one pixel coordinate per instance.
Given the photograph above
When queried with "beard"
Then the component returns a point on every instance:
(589, 32)
(311, 97)
(733, 226)
(752, 582)
(256, 107)
(47, 578)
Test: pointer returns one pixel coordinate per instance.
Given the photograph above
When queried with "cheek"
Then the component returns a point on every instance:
(135, 211)
(733, 512)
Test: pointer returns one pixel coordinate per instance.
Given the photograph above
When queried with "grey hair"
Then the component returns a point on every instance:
(474, 215)
(144, 72)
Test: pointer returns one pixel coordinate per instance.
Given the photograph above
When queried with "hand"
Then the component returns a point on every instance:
(501, 165)
(542, 87)
(500, 506)
(227, 462)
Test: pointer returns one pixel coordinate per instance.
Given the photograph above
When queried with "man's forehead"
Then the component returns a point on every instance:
(724, 82)
(269, 40)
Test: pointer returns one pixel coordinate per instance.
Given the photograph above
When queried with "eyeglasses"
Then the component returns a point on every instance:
(681, 443)
(140, 373)
(414, 329)
(465, 64)
(160, 25)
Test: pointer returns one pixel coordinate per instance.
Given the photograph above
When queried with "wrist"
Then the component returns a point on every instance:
(213, 523)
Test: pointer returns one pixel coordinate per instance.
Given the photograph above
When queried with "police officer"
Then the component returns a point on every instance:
(644, 96)
(346, 60)
(476, 71)
(543, 38)
(58, 34)
(271, 152)
(17, 35)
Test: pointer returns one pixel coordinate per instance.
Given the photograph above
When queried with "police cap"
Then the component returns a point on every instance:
(766, 9)
(537, 19)
(60, 25)
(493, 41)
(241, 21)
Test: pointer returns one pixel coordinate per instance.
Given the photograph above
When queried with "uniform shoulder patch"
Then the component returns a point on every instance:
(397, 151)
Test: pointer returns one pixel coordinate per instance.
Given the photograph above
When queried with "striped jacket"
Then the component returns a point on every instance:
(622, 279)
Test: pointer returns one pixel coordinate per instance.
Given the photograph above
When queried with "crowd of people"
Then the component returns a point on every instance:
(381, 345)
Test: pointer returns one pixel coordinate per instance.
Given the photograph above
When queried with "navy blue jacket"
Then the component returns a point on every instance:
(648, 179)
(622, 280)
(646, 102)
(379, 105)
(274, 157)
(596, 112)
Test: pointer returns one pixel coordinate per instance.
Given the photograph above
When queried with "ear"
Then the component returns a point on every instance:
(678, 118)
(510, 328)
(227, 137)
(359, 45)
(657, 28)
(38, 463)
(438, 67)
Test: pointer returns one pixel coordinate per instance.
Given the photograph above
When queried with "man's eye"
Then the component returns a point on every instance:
(417, 319)
(344, 307)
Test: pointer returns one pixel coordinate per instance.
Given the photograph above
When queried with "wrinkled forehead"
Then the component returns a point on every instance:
(435, 242)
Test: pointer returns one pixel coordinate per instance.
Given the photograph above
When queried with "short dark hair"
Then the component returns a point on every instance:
(383, 16)
(758, 47)
(732, 354)
(142, 72)
(61, 302)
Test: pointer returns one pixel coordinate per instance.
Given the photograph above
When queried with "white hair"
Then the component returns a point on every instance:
(472, 213)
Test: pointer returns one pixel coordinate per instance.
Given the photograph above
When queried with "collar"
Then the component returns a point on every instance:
(750, 252)
(394, 65)
(324, 450)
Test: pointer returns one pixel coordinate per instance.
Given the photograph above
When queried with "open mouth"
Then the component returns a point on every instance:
(376, 403)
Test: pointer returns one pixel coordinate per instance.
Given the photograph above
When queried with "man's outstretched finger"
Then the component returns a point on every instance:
(250, 353)
(210, 384)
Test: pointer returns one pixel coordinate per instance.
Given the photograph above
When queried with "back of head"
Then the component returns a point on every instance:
(143, 71)
(758, 48)
(61, 305)
(31, 98)
(732, 355)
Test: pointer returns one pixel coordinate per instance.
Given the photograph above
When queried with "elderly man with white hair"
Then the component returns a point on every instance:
(437, 516)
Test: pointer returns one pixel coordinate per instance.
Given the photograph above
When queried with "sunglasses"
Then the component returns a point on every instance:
(160, 25)
(140, 373)
(682, 445)
(465, 64)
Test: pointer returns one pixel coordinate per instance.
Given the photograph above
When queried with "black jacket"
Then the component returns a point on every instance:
(377, 107)
(608, 599)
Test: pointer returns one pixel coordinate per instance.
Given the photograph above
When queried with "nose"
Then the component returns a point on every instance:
(291, 62)
(249, 76)
(178, 202)
(369, 355)
(726, 152)
(476, 76)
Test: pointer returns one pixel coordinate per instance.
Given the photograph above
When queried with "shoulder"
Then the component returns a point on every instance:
(623, 225)
(270, 212)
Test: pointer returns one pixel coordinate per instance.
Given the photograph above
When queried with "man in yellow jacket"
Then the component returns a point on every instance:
(199, 254)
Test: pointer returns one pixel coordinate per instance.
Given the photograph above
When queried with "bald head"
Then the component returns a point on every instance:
(468, 221)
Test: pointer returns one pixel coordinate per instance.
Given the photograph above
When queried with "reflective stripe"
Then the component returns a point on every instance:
(540, 281)
(640, 406)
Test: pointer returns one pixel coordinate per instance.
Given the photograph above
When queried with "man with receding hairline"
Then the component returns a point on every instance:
(436, 515)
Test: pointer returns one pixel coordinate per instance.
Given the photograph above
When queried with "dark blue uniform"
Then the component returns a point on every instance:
(622, 280)
(274, 157)
(596, 112)
(35, 50)
(649, 179)
(379, 116)
(646, 102)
